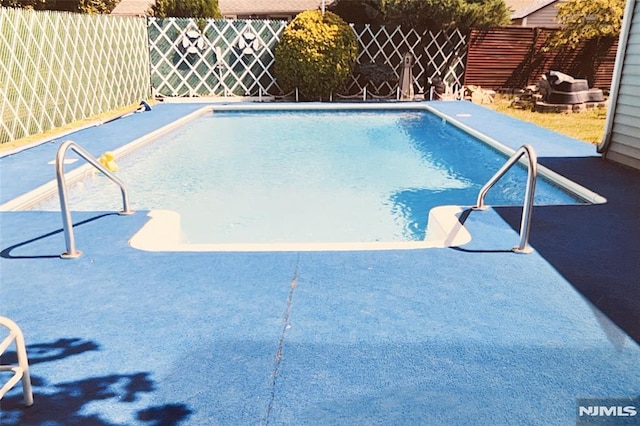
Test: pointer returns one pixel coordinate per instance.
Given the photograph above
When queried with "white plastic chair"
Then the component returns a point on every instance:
(20, 371)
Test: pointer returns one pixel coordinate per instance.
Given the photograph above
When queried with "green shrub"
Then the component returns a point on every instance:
(375, 73)
(316, 54)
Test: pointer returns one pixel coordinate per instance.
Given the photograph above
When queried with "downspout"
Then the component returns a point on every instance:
(617, 76)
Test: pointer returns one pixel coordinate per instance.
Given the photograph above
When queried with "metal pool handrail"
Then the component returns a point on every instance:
(527, 206)
(72, 252)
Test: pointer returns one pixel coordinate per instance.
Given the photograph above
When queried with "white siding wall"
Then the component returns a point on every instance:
(625, 132)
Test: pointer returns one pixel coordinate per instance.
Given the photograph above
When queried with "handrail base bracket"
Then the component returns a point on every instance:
(525, 250)
(73, 255)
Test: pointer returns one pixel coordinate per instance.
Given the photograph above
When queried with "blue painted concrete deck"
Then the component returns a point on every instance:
(467, 335)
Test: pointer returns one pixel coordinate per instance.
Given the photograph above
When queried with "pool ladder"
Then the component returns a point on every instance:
(71, 251)
(527, 206)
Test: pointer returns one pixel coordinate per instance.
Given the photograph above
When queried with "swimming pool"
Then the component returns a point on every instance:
(362, 336)
(308, 177)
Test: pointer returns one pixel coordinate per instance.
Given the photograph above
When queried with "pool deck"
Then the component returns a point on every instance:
(474, 334)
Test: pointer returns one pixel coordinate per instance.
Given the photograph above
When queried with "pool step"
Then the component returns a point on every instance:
(163, 232)
(444, 227)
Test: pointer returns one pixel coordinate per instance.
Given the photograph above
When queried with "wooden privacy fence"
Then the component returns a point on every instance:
(515, 57)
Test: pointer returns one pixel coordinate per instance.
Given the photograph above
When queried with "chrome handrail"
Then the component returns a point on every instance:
(527, 206)
(72, 252)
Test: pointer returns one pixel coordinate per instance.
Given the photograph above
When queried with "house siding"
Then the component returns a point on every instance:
(624, 144)
(545, 17)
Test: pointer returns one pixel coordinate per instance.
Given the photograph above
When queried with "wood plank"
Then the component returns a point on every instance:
(513, 57)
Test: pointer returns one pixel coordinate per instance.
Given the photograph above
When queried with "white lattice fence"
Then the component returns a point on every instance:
(445, 54)
(439, 54)
(219, 58)
(225, 57)
(56, 68)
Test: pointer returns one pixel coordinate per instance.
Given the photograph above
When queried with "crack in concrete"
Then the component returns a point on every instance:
(285, 327)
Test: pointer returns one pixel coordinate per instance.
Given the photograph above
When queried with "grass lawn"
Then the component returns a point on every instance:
(106, 116)
(587, 126)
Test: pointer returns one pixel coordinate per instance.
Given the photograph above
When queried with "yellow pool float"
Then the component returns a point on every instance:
(108, 160)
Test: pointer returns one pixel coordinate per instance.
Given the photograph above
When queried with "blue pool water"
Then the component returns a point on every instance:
(253, 177)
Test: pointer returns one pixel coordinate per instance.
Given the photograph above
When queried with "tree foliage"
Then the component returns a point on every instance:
(584, 20)
(315, 54)
(429, 14)
(186, 9)
(434, 15)
(359, 11)
(95, 7)
(78, 6)
(483, 14)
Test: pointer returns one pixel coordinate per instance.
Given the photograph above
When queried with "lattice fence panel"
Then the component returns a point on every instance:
(56, 68)
(439, 54)
(446, 53)
(221, 57)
